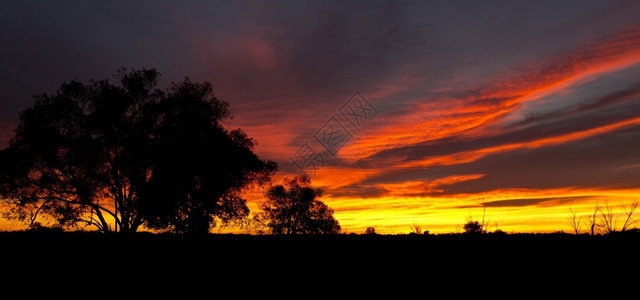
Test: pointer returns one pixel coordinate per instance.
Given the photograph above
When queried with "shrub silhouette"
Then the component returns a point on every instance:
(473, 227)
(293, 208)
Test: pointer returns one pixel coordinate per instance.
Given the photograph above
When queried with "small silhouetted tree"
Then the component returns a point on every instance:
(119, 156)
(370, 230)
(294, 208)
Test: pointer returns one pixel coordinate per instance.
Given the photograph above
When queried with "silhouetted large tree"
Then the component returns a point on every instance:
(295, 209)
(126, 155)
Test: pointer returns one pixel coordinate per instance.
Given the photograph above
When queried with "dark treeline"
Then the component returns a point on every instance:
(292, 249)
(329, 263)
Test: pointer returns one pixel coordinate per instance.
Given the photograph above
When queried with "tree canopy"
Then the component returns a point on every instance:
(294, 208)
(120, 156)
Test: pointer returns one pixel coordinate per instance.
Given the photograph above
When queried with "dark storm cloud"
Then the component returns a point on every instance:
(549, 201)
(357, 191)
(601, 105)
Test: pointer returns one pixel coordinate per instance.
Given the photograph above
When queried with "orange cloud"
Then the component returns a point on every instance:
(421, 187)
(469, 115)
(469, 156)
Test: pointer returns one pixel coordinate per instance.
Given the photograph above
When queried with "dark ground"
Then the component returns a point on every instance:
(361, 262)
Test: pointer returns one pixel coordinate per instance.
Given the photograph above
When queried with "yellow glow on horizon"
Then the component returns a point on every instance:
(395, 215)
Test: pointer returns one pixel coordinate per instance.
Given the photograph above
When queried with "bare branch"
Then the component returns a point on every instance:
(629, 221)
(593, 223)
(574, 221)
(416, 228)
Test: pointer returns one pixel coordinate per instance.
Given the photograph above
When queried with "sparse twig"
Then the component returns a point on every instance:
(574, 221)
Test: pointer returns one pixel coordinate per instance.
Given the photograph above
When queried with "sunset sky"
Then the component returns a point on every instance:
(412, 112)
